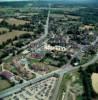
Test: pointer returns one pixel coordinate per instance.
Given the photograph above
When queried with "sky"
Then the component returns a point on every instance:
(52, 0)
(13, 0)
(46, 0)
(29, 0)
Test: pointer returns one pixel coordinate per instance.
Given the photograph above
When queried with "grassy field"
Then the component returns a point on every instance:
(73, 82)
(34, 60)
(33, 76)
(41, 65)
(6, 10)
(57, 15)
(86, 58)
(11, 35)
(4, 84)
(16, 21)
(73, 17)
(3, 29)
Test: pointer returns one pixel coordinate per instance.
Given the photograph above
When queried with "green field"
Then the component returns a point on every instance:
(4, 84)
(11, 35)
(73, 81)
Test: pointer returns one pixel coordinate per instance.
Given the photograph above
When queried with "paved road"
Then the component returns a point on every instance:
(40, 40)
(57, 88)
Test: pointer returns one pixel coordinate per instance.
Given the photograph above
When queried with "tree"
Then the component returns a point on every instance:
(0, 61)
(21, 81)
(86, 81)
(12, 84)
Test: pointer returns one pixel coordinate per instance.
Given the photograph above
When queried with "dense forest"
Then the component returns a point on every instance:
(85, 75)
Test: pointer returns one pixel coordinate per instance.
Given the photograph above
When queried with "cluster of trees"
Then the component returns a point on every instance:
(26, 26)
(80, 36)
(4, 55)
(7, 42)
(16, 45)
(57, 12)
(61, 59)
(0, 61)
(12, 51)
(3, 23)
(88, 15)
(85, 75)
(23, 36)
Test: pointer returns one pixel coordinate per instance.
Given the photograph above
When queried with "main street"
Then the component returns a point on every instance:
(39, 42)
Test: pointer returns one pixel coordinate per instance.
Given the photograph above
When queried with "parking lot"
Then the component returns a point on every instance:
(42, 90)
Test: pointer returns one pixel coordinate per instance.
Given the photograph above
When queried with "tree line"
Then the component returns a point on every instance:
(85, 75)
